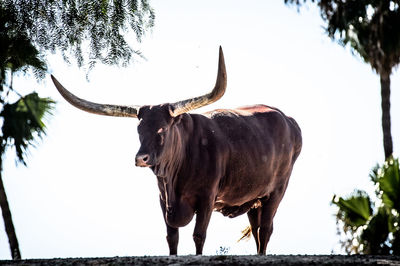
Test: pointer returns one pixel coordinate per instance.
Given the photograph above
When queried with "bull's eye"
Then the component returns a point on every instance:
(161, 130)
(161, 135)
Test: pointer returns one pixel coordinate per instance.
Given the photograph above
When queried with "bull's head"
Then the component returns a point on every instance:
(155, 122)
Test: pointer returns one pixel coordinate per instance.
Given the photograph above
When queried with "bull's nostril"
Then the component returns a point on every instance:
(142, 160)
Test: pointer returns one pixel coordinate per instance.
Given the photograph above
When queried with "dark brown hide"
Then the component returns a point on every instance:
(232, 161)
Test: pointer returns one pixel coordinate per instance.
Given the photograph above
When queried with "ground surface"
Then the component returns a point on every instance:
(336, 260)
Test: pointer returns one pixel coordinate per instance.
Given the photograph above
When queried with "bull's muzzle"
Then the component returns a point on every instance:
(142, 160)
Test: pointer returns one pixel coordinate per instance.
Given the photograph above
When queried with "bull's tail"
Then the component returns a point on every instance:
(246, 233)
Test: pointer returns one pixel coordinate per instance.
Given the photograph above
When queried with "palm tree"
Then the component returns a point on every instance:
(371, 29)
(23, 121)
(372, 227)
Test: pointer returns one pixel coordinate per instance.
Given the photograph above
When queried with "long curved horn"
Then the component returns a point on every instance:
(96, 108)
(197, 102)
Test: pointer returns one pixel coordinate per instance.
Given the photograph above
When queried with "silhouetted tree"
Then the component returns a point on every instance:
(88, 31)
(371, 29)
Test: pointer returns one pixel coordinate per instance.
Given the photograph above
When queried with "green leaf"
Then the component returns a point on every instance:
(389, 183)
(374, 174)
(23, 122)
(354, 211)
(375, 235)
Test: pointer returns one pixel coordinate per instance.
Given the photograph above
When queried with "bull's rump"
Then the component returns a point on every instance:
(262, 144)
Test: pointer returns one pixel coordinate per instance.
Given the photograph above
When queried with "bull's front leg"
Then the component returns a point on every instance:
(203, 216)
(172, 233)
(172, 239)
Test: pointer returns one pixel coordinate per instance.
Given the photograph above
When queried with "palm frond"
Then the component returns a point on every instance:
(369, 231)
(355, 210)
(24, 122)
(389, 183)
(374, 236)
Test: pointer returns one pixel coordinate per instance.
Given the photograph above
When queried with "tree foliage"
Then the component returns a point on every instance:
(371, 29)
(90, 31)
(17, 52)
(23, 121)
(369, 227)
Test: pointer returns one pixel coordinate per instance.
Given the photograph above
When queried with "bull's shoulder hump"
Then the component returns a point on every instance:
(242, 111)
(258, 108)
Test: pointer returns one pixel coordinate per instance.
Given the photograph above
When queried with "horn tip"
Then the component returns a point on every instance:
(53, 78)
(221, 55)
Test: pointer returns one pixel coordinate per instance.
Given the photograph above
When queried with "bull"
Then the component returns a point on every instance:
(234, 161)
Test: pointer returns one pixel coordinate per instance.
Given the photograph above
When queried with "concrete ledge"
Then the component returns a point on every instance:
(283, 260)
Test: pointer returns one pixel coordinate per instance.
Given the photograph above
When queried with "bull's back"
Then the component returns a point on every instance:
(262, 144)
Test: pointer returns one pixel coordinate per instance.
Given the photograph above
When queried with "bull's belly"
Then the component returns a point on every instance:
(240, 193)
(236, 198)
(240, 200)
(236, 210)
(240, 189)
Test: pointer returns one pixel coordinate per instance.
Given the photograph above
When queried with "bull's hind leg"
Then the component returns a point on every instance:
(254, 216)
(268, 210)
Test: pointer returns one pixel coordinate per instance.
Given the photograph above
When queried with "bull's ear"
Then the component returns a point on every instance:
(171, 110)
(177, 119)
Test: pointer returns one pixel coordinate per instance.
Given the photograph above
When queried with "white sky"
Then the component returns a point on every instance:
(82, 195)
